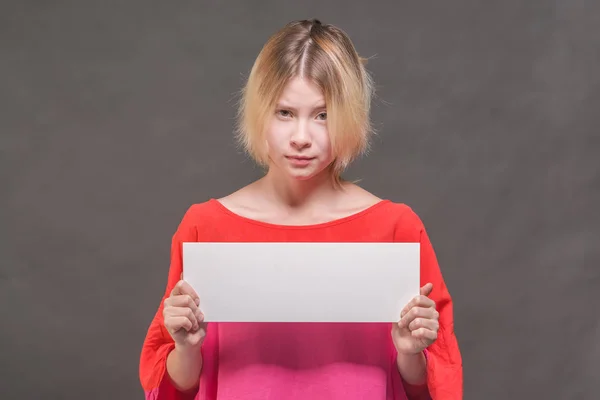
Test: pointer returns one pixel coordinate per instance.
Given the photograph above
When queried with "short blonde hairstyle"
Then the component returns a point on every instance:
(325, 55)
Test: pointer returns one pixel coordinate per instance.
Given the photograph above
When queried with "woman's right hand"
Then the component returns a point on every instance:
(182, 316)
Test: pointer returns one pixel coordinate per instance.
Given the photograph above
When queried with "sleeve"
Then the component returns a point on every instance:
(444, 361)
(158, 342)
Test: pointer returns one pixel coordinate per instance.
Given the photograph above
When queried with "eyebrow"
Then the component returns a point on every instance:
(286, 106)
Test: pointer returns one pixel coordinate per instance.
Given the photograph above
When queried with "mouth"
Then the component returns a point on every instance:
(300, 161)
(300, 158)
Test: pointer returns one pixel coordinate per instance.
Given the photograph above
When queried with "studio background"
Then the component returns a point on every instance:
(116, 116)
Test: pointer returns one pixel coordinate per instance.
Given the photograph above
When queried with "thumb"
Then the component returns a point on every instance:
(426, 290)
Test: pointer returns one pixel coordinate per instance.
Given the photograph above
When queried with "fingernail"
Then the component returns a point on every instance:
(197, 301)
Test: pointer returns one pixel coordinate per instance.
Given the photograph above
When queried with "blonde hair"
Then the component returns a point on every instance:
(324, 55)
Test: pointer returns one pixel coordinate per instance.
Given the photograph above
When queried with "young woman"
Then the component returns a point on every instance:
(304, 116)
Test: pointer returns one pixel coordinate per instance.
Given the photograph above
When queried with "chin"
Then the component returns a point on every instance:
(301, 176)
(305, 174)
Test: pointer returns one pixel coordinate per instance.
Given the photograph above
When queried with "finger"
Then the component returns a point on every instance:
(417, 312)
(425, 334)
(418, 301)
(200, 316)
(183, 300)
(431, 324)
(182, 287)
(201, 323)
(175, 323)
(183, 312)
(426, 289)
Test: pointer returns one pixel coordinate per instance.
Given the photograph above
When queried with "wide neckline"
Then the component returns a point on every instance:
(325, 224)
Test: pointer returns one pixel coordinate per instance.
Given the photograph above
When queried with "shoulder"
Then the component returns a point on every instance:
(408, 225)
(401, 214)
(196, 216)
(406, 214)
(197, 210)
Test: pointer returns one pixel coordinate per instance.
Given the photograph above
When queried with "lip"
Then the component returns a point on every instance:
(300, 158)
(300, 161)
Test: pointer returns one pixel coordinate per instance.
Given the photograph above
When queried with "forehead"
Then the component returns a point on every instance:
(300, 92)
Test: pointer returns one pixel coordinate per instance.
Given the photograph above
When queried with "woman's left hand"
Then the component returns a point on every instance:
(418, 325)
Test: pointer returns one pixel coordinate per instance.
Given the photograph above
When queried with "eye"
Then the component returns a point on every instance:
(322, 116)
(284, 113)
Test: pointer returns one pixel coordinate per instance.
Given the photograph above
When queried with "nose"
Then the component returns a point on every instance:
(301, 137)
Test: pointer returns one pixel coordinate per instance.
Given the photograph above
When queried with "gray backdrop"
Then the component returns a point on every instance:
(117, 115)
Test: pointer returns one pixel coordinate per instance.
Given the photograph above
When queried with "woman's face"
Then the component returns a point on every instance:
(297, 136)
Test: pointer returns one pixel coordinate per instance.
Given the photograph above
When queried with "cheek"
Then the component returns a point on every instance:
(275, 137)
(323, 140)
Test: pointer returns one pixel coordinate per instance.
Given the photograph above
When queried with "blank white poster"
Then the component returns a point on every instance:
(302, 282)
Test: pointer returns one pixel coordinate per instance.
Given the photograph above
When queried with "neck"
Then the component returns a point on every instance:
(295, 193)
